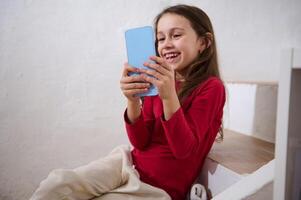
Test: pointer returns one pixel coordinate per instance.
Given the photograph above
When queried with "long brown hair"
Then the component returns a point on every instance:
(206, 64)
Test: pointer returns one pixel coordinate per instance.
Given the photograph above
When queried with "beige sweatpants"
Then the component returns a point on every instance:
(110, 178)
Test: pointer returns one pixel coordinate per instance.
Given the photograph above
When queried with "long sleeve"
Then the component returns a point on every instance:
(164, 148)
(139, 132)
(186, 131)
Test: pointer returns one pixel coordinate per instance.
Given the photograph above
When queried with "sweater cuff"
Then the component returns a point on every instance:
(178, 115)
(128, 123)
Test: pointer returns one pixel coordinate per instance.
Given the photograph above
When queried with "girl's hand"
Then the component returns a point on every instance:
(132, 85)
(163, 77)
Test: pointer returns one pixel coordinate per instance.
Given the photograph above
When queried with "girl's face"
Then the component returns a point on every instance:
(178, 43)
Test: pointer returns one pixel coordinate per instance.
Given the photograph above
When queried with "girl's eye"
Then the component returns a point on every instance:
(177, 35)
(160, 39)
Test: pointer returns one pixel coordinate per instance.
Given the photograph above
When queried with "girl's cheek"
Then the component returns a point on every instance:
(159, 51)
(159, 48)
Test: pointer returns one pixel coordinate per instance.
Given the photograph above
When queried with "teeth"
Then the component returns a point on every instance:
(171, 55)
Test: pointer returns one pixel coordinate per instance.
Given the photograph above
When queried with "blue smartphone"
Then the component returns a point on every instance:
(140, 45)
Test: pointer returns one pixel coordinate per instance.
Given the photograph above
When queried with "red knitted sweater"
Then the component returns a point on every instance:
(169, 154)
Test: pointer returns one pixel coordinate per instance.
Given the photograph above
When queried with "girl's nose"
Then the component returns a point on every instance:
(167, 43)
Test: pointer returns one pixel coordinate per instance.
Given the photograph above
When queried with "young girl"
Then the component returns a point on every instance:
(171, 133)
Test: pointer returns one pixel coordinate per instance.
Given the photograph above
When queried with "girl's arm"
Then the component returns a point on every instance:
(137, 130)
(163, 77)
(133, 110)
(170, 106)
(187, 131)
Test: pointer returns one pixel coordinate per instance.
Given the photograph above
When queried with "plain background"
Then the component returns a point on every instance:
(61, 62)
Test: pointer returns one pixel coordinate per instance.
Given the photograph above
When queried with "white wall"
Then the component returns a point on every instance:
(251, 109)
(60, 64)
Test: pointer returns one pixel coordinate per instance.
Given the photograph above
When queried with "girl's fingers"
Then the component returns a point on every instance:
(153, 73)
(134, 92)
(152, 80)
(131, 79)
(156, 59)
(128, 68)
(161, 62)
(157, 71)
(132, 86)
(156, 67)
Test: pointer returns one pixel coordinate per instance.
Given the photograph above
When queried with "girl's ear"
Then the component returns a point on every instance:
(209, 39)
(205, 41)
(202, 44)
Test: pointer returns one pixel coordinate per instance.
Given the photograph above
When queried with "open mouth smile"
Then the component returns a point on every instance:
(171, 56)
